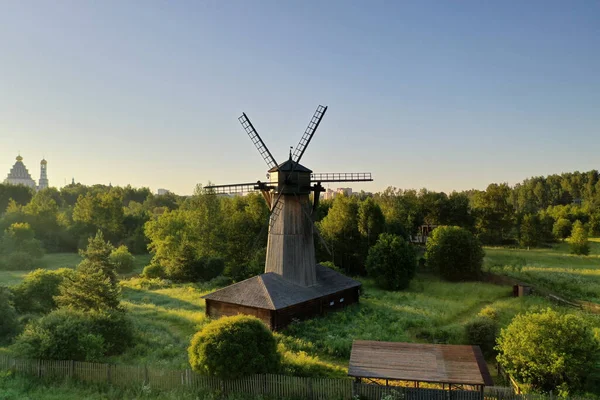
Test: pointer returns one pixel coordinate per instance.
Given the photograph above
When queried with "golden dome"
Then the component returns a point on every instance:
(19, 158)
(44, 162)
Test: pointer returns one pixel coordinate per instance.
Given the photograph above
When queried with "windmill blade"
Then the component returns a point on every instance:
(256, 139)
(341, 177)
(276, 209)
(236, 188)
(308, 133)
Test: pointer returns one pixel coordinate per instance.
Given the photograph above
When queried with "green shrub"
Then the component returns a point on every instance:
(562, 228)
(488, 312)
(233, 347)
(153, 271)
(9, 324)
(579, 240)
(20, 238)
(482, 332)
(122, 259)
(454, 253)
(548, 350)
(392, 262)
(213, 267)
(68, 334)
(35, 294)
(20, 261)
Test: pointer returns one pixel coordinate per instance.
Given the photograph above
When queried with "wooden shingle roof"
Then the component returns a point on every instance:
(272, 292)
(437, 363)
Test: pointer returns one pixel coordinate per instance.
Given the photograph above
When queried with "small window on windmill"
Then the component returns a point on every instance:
(331, 303)
(342, 300)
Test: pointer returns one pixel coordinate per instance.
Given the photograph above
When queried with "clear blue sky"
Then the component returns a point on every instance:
(444, 95)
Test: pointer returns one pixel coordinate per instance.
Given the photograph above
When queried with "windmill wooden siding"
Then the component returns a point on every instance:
(290, 249)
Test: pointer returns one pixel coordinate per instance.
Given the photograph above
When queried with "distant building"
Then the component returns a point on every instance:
(19, 175)
(43, 182)
(162, 192)
(331, 194)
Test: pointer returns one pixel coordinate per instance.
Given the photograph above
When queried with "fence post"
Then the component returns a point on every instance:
(39, 368)
(108, 373)
(146, 380)
(72, 369)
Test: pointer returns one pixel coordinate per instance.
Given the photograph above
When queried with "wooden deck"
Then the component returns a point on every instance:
(436, 363)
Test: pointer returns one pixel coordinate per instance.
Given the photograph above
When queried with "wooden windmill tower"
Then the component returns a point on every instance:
(292, 277)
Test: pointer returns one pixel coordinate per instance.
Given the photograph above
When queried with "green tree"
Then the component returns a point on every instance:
(494, 214)
(549, 350)
(454, 253)
(371, 222)
(579, 239)
(35, 294)
(122, 260)
(94, 286)
(234, 347)
(562, 228)
(529, 234)
(100, 211)
(392, 262)
(8, 316)
(482, 332)
(340, 230)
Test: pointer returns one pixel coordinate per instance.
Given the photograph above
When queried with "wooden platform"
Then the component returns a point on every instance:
(416, 362)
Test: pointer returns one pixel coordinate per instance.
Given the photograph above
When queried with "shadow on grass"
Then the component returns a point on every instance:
(141, 296)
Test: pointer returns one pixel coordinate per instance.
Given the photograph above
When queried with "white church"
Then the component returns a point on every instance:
(19, 175)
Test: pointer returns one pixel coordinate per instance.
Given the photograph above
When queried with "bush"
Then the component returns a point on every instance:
(562, 228)
(122, 259)
(548, 350)
(20, 261)
(153, 271)
(579, 240)
(68, 334)
(488, 312)
(482, 332)
(392, 262)
(454, 253)
(233, 347)
(35, 294)
(9, 324)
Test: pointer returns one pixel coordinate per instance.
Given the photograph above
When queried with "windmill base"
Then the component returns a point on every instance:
(278, 302)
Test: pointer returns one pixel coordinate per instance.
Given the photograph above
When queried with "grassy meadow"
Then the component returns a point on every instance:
(553, 269)
(166, 315)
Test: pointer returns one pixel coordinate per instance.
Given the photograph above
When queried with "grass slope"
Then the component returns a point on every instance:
(554, 269)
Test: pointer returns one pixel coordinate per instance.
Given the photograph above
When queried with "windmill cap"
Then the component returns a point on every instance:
(288, 166)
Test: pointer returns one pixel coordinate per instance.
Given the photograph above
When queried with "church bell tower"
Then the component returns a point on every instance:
(43, 183)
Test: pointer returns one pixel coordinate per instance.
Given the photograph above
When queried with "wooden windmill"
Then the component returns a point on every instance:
(290, 267)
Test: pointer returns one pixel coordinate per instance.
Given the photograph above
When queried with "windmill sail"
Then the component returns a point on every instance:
(258, 142)
(308, 133)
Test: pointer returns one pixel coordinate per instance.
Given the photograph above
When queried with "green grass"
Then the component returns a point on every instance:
(552, 269)
(63, 260)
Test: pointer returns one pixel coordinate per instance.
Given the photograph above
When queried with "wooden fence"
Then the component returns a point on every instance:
(275, 386)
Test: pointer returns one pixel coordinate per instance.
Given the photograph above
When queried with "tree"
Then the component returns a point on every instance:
(100, 211)
(8, 316)
(562, 228)
(371, 222)
(234, 347)
(35, 294)
(121, 259)
(392, 262)
(94, 286)
(549, 350)
(454, 253)
(340, 230)
(579, 239)
(530, 231)
(493, 214)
